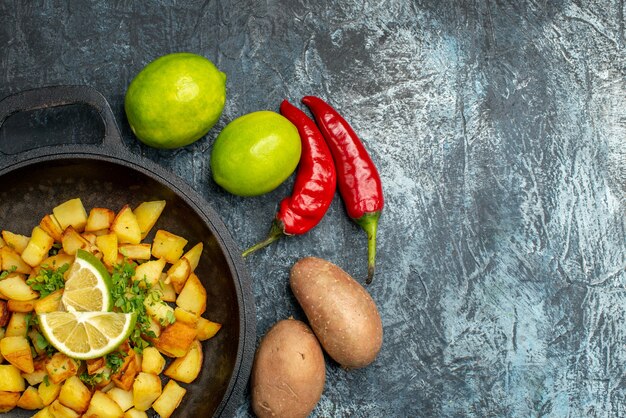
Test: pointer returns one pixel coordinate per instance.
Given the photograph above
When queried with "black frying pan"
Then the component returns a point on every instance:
(107, 175)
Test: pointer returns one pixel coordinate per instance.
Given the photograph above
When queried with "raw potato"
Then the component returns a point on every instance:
(288, 372)
(341, 312)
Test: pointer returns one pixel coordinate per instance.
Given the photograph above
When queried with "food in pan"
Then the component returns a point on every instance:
(97, 321)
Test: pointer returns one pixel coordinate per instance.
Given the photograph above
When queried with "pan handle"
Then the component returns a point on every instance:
(54, 96)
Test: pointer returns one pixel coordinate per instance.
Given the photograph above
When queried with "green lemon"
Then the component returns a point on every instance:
(86, 335)
(175, 100)
(255, 153)
(88, 285)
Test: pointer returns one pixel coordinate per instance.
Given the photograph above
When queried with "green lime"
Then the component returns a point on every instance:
(88, 285)
(175, 100)
(255, 153)
(86, 335)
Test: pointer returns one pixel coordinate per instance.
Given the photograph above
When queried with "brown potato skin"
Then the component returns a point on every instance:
(288, 372)
(341, 312)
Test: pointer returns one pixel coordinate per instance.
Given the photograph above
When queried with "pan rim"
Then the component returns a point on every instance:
(245, 297)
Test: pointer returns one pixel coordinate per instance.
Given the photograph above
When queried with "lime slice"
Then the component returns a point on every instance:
(86, 335)
(88, 284)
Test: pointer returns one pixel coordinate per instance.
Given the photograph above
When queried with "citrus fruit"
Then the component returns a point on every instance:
(88, 285)
(86, 335)
(255, 153)
(175, 100)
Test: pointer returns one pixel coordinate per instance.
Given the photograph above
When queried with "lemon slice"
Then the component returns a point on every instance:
(88, 284)
(86, 335)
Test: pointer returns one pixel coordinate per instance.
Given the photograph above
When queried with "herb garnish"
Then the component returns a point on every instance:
(171, 317)
(129, 296)
(56, 247)
(92, 379)
(48, 280)
(153, 298)
(114, 360)
(5, 273)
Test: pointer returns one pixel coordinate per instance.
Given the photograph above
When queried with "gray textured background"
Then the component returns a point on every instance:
(498, 128)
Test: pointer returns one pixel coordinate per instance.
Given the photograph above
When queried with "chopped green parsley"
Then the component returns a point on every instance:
(48, 280)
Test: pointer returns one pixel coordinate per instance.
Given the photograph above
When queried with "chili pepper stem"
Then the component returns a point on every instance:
(369, 223)
(275, 233)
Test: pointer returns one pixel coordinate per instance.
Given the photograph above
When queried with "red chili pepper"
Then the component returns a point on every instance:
(315, 183)
(359, 182)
